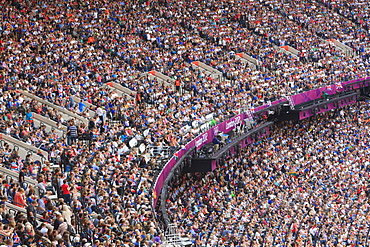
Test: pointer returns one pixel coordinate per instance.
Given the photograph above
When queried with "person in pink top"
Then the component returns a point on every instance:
(19, 198)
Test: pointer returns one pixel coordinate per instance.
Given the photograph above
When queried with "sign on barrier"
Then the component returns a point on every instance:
(230, 124)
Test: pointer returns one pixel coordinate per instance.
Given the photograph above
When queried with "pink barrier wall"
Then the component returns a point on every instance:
(231, 123)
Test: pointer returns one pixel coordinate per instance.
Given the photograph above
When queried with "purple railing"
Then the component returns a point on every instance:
(231, 123)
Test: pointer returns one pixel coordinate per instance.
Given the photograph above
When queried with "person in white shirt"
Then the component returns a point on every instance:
(100, 113)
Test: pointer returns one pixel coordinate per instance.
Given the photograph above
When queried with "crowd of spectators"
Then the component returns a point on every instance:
(357, 11)
(305, 184)
(56, 50)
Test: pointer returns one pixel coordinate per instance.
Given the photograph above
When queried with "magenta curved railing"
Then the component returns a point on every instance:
(231, 123)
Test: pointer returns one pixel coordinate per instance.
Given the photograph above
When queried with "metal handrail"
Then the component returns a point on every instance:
(16, 146)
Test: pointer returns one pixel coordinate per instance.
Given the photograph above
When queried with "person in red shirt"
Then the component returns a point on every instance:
(19, 198)
(66, 192)
(178, 84)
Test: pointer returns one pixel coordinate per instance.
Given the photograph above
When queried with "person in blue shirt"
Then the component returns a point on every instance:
(29, 117)
(13, 104)
(194, 88)
(81, 106)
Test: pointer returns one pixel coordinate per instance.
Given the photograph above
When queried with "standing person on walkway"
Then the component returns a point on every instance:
(72, 133)
(66, 192)
(21, 177)
(31, 213)
(29, 117)
(178, 85)
(100, 113)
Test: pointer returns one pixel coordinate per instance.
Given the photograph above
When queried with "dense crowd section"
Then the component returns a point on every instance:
(59, 49)
(304, 185)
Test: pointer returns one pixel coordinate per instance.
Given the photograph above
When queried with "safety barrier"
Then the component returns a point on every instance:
(13, 209)
(23, 149)
(66, 113)
(290, 50)
(212, 72)
(232, 123)
(255, 63)
(50, 125)
(345, 48)
(121, 89)
(166, 80)
(14, 175)
(88, 107)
